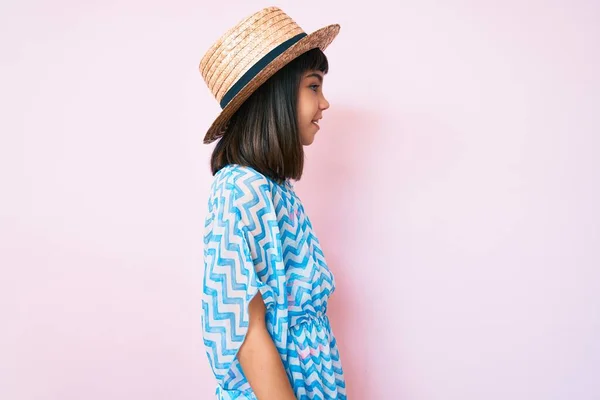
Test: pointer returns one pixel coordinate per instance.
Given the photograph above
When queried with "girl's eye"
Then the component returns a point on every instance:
(314, 86)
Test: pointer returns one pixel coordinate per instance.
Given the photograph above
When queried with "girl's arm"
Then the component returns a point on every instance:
(260, 359)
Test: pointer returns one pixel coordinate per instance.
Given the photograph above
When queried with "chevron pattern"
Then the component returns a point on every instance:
(258, 239)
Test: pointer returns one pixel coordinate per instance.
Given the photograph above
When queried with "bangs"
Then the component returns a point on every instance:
(312, 60)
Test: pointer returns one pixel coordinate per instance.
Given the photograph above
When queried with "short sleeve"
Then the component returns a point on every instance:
(240, 260)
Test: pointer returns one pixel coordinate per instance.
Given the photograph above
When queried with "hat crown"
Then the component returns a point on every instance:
(242, 46)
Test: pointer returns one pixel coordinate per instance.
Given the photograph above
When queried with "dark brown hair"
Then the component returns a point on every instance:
(263, 133)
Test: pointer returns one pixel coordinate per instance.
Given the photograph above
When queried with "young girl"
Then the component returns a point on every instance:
(266, 282)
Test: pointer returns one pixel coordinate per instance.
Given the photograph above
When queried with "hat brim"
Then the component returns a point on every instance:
(321, 39)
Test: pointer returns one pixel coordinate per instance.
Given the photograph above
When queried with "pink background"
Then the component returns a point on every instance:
(454, 186)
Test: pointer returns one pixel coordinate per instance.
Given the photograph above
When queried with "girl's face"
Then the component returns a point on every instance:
(311, 104)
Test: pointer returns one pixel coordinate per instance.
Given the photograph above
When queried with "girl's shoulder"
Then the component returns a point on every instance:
(238, 181)
(244, 177)
(239, 175)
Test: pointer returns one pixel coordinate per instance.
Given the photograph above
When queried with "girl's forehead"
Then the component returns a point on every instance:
(316, 74)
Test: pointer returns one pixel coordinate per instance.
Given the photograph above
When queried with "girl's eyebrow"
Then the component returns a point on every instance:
(316, 76)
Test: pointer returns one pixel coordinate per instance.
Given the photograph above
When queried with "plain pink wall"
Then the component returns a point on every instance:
(454, 186)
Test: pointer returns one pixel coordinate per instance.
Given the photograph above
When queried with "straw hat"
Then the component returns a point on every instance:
(250, 53)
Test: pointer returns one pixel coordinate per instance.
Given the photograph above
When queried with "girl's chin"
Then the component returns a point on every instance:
(307, 141)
